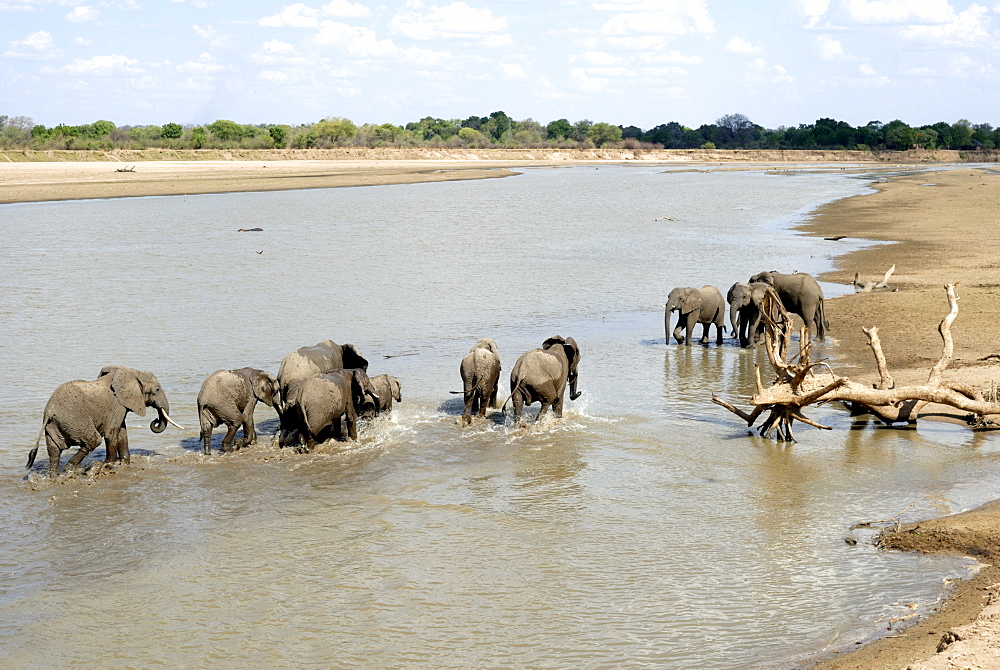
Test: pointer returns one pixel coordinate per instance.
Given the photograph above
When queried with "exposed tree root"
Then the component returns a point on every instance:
(798, 384)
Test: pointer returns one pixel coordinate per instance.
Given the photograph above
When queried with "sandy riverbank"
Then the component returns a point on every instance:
(944, 224)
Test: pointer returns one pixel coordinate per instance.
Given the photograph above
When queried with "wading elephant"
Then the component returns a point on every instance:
(480, 372)
(745, 315)
(541, 375)
(800, 294)
(324, 400)
(307, 362)
(228, 397)
(695, 305)
(388, 389)
(81, 414)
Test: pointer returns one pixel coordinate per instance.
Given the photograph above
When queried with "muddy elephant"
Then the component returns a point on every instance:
(800, 294)
(745, 315)
(480, 370)
(693, 306)
(388, 389)
(83, 413)
(326, 400)
(304, 363)
(228, 397)
(541, 375)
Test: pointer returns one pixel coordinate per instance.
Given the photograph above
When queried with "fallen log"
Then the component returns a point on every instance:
(798, 385)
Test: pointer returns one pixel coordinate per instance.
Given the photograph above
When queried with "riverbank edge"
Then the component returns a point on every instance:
(974, 533)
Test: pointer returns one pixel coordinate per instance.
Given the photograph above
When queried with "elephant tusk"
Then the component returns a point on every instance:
(172, 422)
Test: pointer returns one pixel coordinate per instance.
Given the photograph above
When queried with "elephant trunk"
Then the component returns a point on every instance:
(734, 313)
(573, 393)
(159, 424)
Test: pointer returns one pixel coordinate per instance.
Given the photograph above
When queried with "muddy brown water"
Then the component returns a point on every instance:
(645, 528)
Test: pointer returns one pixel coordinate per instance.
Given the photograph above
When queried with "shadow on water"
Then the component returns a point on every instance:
(265, 431)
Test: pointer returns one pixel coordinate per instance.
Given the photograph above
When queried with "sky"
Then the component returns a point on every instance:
(626, 62)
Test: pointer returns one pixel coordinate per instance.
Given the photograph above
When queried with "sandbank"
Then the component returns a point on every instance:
(942, 228)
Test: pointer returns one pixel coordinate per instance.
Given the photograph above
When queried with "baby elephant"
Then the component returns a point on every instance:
(388, 389)
(324, 400)
(229, 397)
(693, 306)
(480, 371)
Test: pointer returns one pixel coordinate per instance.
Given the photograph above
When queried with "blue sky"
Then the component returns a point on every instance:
(630, 62)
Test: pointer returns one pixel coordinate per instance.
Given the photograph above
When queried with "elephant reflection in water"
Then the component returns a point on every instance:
(83, 413)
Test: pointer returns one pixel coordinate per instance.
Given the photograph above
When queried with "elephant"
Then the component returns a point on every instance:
(388, 389)
(323, 400)
(82, 413)
(480, 372)
(541, 375)
(800, 294)
(229, 397)
(695, 305)
(745, 315)
(306, 362)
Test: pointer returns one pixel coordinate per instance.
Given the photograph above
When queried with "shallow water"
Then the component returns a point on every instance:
(645, 528)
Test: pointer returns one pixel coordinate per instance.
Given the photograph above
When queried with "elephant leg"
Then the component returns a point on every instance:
(352, 425)
(116, 443)
(518, 401)
(678, 330)
(484, 401)
(249, 431)
(55, 444)
(87, 445)
(227, 441)
(692, 319)
(545, 407)
(206, 440)
(470, 396)
(704, 332)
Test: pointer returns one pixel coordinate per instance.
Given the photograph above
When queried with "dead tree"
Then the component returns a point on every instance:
(868, 287)
(799, 382)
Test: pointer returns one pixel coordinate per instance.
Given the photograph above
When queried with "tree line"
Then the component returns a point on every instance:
(498, 130)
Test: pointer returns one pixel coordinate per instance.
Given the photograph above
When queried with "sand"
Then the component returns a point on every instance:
(943, 227)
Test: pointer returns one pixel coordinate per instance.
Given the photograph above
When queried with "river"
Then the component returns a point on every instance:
(644, 529)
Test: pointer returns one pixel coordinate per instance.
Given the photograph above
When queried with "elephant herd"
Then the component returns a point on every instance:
(799, 292)
(319, 392)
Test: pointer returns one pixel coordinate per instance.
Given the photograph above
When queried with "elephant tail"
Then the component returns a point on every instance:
(516, 389)
(34, 451)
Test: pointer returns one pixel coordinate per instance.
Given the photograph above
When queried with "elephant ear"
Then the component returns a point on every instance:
(572, 352)
(491, 345)
(397, 391)
(353, 358)
(732, 292)
(265, 387)
(691, 302)
(555, 339)
(127, 388)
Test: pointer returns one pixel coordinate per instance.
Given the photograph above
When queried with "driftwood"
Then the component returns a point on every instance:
(126, 168)
(799, 382)
(868, 287)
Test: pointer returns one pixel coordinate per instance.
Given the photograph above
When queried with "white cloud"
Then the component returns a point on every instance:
(813, 10)
(273, 75)
(102, 65)
(971, 25)
(82, 42)
(359, 42)
(673, 57)
(82, 14)
(867, 70)
(292, 16)
(512, 71)
(201, 66)
(831, 49)
(776, 74)
(963, 66)
(898, 11)
(738, 45)
(346, 8)
(36, 46)
(656, 17)
(277, 47)
(586, 83)
(455, 21)
(596, 58)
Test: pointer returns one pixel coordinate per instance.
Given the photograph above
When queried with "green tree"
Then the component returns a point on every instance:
(171, 131)
(961, 135)
(226, 131)
(101, 128)
(603, 133)
(899, 136)
(279, 135)
(334, 130)
(472, 137)
(198, 137)
(558, 130)
(580, 129)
